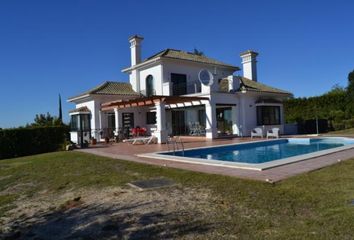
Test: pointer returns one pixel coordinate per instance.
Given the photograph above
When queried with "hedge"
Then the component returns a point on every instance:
(18, 142)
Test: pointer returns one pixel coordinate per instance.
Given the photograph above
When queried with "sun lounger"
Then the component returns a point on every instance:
(144, 140)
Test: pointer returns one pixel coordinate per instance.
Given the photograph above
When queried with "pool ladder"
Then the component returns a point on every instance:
(177, 145)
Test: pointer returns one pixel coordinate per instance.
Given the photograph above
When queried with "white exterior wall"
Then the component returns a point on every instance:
(134, 80)
(248, 113)
(156, 72)
(161, 72)
(91, 105)
(191, 70)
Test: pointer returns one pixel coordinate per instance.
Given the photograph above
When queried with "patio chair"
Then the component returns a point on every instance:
(257, 132)
(274, 132)
(193, 129)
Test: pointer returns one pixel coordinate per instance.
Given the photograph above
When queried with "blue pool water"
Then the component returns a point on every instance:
(265, 151)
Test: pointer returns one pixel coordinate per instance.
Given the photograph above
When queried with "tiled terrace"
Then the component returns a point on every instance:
(127, 151)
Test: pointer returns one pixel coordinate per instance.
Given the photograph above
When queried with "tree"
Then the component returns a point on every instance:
(350, 95)
(337, 106)
(43, 120)
(337, 89)
(60, 110)
(197, 52)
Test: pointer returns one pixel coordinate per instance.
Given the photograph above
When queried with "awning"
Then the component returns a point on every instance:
(83, 110)
(149, 101)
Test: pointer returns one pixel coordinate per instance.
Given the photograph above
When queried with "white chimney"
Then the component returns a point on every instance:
(135, 49)
(249, 63)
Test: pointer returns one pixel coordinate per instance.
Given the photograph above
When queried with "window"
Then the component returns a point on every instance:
(179, 84)
(201, 117)
(85, 121)
(149, 85)
(268, 115)
(75, 122)
(111, 119)
(151, 118)
(128, 120)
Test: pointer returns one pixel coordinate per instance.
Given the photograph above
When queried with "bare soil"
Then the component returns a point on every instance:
(111, 213)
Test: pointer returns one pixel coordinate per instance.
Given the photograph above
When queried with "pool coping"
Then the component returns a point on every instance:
(248, 166)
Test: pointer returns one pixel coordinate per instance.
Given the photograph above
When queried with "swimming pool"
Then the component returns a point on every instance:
(262, 154)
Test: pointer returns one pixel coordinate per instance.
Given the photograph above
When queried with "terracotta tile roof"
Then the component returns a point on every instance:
(252, 86)
(182, 55)
(110, 88)
(260, 87)
(80, 109)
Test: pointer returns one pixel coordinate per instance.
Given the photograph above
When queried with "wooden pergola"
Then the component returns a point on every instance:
(149, 101)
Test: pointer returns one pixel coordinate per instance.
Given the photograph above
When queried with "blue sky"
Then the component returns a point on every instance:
(69, 46)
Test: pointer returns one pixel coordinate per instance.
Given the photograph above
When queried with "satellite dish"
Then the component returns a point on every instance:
(206, 77)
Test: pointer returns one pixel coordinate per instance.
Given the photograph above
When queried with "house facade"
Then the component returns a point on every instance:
(179, 93)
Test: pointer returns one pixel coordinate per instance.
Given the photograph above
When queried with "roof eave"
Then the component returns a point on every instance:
(261, 91)
(75, 98)
(129, 69)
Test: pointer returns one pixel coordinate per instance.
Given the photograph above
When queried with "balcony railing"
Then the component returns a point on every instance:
(175, 89)
(148, 93)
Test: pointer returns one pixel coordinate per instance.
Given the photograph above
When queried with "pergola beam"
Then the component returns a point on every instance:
(150, 101)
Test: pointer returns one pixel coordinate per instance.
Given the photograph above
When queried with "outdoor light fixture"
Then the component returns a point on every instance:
(243, 89)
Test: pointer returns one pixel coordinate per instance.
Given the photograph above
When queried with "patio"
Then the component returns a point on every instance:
(126, 151)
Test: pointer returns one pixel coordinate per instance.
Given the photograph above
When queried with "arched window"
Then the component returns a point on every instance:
(149, 85)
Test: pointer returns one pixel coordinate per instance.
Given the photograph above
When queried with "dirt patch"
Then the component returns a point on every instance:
(4, 177)
(74, 203)
(17, 188)
(112, 213)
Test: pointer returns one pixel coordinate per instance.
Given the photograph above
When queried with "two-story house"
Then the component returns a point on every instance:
(169, 94)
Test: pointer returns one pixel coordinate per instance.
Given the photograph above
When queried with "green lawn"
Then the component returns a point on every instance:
(346, 132)
(315, 205)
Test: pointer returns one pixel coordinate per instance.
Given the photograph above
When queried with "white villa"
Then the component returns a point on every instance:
(166, 97)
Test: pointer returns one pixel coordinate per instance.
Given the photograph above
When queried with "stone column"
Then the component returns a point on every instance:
(210, 118)
(161, 132)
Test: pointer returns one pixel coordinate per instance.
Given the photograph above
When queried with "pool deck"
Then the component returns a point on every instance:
(127, 151)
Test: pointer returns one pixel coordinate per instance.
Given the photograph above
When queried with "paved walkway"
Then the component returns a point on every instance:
(127, 151)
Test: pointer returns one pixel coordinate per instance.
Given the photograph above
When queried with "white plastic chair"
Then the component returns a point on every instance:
(257, 132)
(274, 132)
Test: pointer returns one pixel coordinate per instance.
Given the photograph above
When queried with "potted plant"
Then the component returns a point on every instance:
(93, 141)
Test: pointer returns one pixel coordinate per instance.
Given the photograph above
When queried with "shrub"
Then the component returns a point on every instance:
(349, 123)
(338, 125)
(18, 142)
